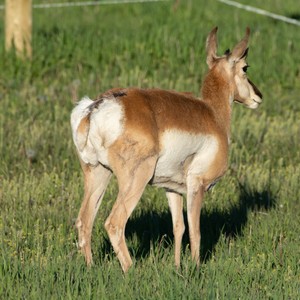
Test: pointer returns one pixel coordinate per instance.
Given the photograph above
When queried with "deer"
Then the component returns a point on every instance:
(165, 138)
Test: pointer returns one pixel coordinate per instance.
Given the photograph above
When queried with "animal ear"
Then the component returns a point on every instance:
(211, 47)
(245, 53)
(241, 49)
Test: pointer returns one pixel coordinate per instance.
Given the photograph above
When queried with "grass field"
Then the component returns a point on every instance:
(250, 222)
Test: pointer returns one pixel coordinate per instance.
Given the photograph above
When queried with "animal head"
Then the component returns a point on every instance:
(233, 64)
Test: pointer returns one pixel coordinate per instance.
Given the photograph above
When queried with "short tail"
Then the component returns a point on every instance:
(80, 122)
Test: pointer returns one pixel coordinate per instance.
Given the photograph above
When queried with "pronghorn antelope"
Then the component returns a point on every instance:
(166, 138)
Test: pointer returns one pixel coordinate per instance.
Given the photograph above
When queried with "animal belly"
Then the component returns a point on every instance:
(183, 153)
(170, 174)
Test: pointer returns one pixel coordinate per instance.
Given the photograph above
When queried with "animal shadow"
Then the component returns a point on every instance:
(154, 229)
(231, 223)
(295, 16)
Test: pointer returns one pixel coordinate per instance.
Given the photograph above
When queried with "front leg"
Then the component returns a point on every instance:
(195, 195)
(175, 202)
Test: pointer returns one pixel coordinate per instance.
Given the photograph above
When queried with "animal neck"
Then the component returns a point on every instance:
(216, 92)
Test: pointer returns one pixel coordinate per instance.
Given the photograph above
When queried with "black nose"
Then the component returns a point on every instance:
(256, 90)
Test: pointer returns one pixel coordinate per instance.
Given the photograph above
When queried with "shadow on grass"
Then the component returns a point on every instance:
(153, 228)
(295, 16)
(231, 222)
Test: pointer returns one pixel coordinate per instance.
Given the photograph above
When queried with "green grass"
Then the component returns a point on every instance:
(250, 221)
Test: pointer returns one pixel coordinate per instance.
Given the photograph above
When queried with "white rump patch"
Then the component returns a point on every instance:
(106, 125)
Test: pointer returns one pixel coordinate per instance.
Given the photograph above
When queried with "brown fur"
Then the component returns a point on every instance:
(133, 157)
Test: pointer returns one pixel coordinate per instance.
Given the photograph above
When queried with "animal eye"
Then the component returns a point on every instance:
(245, 68)
(227, 52)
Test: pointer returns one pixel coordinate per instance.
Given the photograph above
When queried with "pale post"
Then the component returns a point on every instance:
(18, 26)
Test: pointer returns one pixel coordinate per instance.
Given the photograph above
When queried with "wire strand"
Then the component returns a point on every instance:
(261, 12)
(89, 3)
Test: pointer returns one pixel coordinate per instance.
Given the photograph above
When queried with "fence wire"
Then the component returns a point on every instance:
(88, 3)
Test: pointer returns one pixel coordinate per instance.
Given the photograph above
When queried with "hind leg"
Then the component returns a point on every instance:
(132, 180)
(96, 180)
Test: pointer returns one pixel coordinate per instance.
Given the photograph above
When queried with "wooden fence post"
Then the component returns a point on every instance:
(18, 26)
